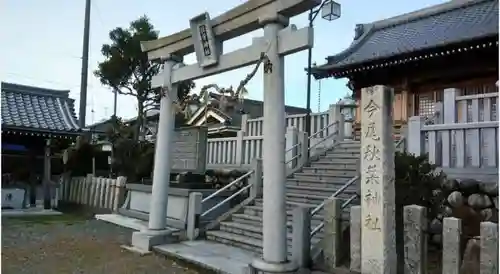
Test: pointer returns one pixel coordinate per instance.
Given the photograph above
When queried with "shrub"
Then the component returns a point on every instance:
(80, 158)
(416, 182)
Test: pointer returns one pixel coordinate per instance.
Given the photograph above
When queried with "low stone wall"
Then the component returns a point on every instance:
(470, 200)
(212, 179)
(459, 254)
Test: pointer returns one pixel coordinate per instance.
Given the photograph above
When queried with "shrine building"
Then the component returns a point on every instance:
(421, 53)
(31, 116)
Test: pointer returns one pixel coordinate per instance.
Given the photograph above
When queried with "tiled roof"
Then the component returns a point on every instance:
(253, 108)
(37, 109)
(450, 23)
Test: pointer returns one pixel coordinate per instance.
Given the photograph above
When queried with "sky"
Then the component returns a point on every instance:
(42, 45)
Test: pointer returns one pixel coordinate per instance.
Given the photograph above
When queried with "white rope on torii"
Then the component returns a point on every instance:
(182, 105)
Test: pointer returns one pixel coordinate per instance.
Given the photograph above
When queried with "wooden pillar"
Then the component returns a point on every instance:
(46, 176)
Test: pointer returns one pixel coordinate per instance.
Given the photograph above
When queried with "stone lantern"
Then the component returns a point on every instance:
(348, 109)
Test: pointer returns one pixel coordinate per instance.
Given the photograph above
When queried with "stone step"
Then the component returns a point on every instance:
(247, 243)
(323, 177)
(329, 166)
(289, 204)
(321, 191)
(330, 171)
(256, 221)
(338, 161)
(318, 181)
(326, 163)
(258, 210)
(348, 149)
(314, 183)
(314, 198)
(339, 155)
(348, 145)
(255, 232)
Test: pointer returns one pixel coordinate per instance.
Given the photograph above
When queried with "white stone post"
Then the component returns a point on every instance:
(341, 127)
(304, 150)
(449, 106)
(415, 142)
(301, 236)
(274, 208)
(333, 233)
(378, 241)
(489, 247)
(291, 147)
(256, 179)
(334, 116)
(193, 215)
(244, 123)
(355, 235)
(163, 148)
(415, 239)
(452, 259)
(86, 191)
(239, 148)
(119, 192)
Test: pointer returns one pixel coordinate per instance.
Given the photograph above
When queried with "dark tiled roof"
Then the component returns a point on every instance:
(253, 108)
(37, 109)
(453, 22)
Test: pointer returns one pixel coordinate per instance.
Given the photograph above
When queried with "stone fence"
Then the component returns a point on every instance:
(248, 143)
(96, 192)
(461, 254)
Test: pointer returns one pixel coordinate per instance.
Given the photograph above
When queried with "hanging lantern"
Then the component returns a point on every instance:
(331, 11)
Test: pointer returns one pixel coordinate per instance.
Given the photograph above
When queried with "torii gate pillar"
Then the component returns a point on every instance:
(274, 209)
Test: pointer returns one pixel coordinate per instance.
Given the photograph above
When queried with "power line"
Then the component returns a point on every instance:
(41, 80)
(97, 10)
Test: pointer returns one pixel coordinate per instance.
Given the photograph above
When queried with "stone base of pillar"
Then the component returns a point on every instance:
(143, 241)
(259, 266)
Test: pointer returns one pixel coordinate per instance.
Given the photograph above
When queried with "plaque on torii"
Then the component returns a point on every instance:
(206, 46)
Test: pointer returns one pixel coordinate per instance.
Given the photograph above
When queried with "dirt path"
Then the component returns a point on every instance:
(50, 245)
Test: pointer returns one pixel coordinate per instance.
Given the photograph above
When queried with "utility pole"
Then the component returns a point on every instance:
(85, 66)
(115, 101)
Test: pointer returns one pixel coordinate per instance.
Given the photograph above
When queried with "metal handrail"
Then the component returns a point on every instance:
(293, 158)
(313, 135)
(339, 191)
(309, 148)
(225, 200)
(346, 203)
(227, 186)
(323, 129)
(292, 148)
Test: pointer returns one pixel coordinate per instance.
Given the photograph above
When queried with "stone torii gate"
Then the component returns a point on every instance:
(205, 37)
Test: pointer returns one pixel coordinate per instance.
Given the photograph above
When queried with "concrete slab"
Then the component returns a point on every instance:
(123, 221)
(31, 211)
(218, 257)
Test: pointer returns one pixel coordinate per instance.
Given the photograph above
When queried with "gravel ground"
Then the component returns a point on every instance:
(69, 245)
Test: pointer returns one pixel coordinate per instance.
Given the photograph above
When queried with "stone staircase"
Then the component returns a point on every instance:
(311, 185)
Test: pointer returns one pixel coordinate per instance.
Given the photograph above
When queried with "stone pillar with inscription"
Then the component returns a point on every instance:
(378, 232)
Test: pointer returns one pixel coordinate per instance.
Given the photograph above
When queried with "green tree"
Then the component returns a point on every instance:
(127, 70)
